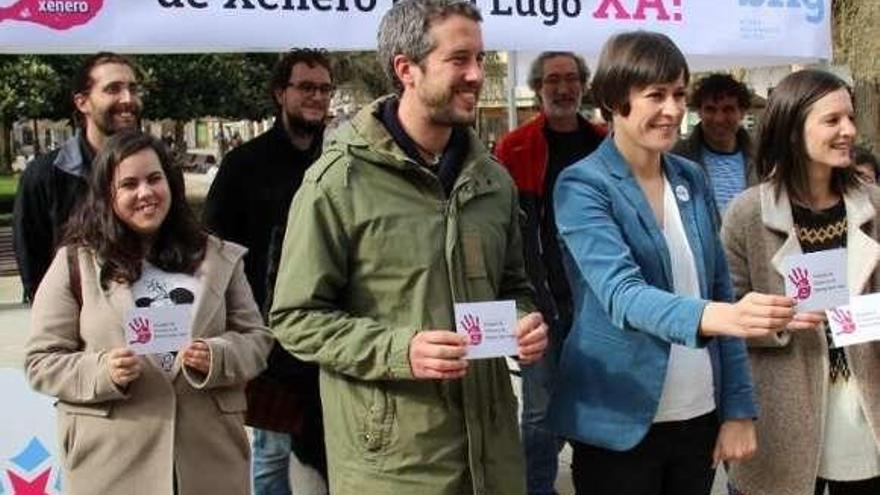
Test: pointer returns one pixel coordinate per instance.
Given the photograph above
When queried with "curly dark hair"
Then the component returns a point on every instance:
(718, 85)
(862, 154)
(180, 244)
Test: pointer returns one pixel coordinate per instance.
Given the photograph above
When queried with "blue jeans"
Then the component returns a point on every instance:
(271, 462)
(541, 446)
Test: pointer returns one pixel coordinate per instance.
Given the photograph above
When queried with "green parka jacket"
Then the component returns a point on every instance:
(374, 253)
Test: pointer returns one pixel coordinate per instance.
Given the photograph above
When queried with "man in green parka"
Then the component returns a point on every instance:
(404, 215)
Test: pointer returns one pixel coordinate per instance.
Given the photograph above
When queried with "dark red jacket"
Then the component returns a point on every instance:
(523, 151)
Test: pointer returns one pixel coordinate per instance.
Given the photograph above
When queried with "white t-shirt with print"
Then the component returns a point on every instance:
(160, 288)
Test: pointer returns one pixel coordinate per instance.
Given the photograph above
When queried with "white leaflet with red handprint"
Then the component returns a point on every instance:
(489, 326)
(157, 330)
(817, 281)
(842, 325)
(863, 324)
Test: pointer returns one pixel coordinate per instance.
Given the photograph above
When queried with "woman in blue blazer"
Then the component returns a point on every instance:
(654, 385)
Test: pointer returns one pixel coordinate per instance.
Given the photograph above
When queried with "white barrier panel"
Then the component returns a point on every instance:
(28, 461)
(750, 32)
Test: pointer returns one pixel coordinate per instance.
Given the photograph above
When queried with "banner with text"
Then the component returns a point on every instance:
(751, 31)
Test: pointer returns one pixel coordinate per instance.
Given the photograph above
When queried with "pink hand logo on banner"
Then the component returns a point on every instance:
(142, 330)
(472, 326)
(800, 278)
(843, 318)
(55, 14)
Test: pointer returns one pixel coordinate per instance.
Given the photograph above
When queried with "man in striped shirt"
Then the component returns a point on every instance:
(719, 142)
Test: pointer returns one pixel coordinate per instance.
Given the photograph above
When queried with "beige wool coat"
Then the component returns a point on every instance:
(790, 370)
(127, 442)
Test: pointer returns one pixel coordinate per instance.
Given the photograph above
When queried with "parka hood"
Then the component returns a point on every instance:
(367, 138)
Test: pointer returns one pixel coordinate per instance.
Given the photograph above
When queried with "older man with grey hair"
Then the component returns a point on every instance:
(404, 215)
(535, 154)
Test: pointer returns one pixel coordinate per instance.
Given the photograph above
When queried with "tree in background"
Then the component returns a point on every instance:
(186, 87)
(856, 44)
(361, 71)
(179, 88)
(28, 88)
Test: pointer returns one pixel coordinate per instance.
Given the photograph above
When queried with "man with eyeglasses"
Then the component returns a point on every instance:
(248, 204)
(107, 99)
(535, 153)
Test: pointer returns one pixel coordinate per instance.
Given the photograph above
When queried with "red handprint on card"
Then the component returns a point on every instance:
(473, 328)
(142, 329)
(800, 278)
(843, 318)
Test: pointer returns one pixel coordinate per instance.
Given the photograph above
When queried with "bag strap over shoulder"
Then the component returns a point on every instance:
(73, 271)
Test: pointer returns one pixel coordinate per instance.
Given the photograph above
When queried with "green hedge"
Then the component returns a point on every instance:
(8, 186)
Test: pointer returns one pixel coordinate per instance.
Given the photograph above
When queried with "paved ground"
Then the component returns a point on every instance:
(197, 185)
(13, 332)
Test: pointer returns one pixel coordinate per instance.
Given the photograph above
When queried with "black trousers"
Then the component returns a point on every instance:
(861, 487)
(674, 458)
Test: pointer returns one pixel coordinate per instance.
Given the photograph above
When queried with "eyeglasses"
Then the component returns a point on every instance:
(311, 88)
(557, 80)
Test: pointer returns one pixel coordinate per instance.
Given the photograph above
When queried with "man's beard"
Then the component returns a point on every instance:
(107, 125)
(299, 126)
(561, 108)
(441, 110)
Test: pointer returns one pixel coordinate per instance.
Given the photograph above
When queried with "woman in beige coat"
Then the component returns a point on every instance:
(157, 423)
(819, 407)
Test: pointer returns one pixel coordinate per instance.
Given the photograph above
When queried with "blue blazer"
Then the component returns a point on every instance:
(613, 362)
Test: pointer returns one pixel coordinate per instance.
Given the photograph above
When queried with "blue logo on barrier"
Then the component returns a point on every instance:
(815, 9)
(29, 472)
(32, 456)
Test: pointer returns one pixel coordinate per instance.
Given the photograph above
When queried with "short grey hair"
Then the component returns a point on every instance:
(536, 70)
(404, 30)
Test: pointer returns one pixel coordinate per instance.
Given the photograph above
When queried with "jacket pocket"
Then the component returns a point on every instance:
(230, 401)
(232, 405)
(101, 410)
(378, 421)
(474, 262)
(66, 434)
(73, 434)
(603, 338)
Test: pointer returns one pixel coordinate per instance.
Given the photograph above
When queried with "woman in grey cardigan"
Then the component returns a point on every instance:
(819, 406)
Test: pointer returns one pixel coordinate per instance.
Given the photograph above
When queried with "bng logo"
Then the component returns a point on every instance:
(814, 10)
